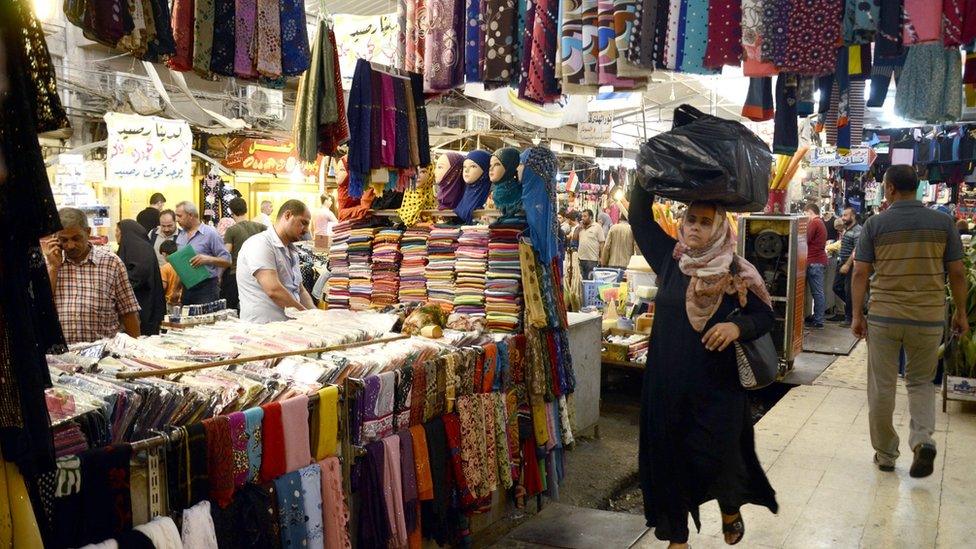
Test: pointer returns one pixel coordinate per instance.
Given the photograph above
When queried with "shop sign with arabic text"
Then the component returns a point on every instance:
(147, 150)
(268, 156)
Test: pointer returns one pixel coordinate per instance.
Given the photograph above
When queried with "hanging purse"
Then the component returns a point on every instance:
(756, 359)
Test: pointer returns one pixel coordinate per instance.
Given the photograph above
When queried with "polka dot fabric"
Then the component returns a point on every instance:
(724, 34)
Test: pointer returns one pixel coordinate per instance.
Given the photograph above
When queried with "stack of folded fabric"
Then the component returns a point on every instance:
(413, 280)
(471, 266)
(360, 268)
(441, 250)
(386, 267)
(503, 288)
(338, 283)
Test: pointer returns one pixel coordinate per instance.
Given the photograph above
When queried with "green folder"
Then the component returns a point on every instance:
(189, 275)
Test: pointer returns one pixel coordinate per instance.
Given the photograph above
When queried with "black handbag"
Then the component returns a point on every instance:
(756, 359)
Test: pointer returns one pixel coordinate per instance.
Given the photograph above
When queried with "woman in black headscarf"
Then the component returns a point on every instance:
(143, 268)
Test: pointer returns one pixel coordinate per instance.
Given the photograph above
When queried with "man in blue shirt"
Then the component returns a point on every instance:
(211, 253)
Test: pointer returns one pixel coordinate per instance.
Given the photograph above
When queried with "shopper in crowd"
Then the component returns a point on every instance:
(142, 267)
(906, 251)
(605, 221)
(171, 281)
(830, 223)
(696, 434)
(264, 217)
(620, 246)
(963, 226)
(268, 275)
(234, 240)
(149, 218)
(90, 284)
(227, 221)
(168, 229)
(210, 253)
(324, 219)
(816, 263)
(589, 238)
(842, 282)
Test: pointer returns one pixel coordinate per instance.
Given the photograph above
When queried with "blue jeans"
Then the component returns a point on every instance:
(815, 279)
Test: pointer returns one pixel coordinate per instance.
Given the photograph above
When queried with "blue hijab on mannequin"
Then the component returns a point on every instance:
(475, 194)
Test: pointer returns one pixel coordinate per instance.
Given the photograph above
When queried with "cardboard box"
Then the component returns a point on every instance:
(960, 388)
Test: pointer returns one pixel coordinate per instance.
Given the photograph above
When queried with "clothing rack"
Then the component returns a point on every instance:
(254, 358)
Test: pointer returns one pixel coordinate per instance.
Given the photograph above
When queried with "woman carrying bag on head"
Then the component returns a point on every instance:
(696, 435)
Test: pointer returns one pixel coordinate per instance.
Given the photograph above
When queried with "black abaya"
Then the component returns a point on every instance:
(143, 269)
(696, 435)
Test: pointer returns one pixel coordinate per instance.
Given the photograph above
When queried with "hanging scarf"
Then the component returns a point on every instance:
(222, 58)
(539, 200)
(476, 193)
(373, 529)
(245, 21)
(252, 418)
(451, 186)
(294, 422)
(220, 463)
(291, 509)
(709, 267)
(311, 476)
(434, 513)
(508, 191)
(473, 41)
(268, 40)
(272, 443)
(328, 422)
(408, 477)
(238, 439)
(295, 56)
(499, 20)
(183, 16)
(203, 35)
(419, 198)
(393, 491)
(335, 515)
(444, 54)
(305, 130)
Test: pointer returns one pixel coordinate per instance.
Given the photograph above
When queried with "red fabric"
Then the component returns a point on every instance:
(220, 460)
(816, 242)
(812, 37)
(969, 21)
(272, 443)
(724, 34)
(531, 479)
(331, 136)
(182, 19)
(952, 22)
(452, 428)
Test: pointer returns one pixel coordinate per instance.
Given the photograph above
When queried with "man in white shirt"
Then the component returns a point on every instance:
(264, 217)
(590, 237)
(269, 279)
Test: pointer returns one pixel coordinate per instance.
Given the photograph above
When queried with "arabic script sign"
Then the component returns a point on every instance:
(268, 156)
(147, 150)
(859, 159)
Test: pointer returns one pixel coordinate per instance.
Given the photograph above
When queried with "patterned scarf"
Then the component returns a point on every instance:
(708, 268)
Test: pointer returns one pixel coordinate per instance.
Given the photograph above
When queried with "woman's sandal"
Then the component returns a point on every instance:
(734, 527)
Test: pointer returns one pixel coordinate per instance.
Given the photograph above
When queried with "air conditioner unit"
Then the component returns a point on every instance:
(262, 103)
(575, 149)
(133, 91)
(468, 120)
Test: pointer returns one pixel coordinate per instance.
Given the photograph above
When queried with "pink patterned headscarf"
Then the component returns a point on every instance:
(709, 268)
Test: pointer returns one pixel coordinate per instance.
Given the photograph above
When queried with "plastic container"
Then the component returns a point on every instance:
(607, 275)
(591, 294)
(636, 279)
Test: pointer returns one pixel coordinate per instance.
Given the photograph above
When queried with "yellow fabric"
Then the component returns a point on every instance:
(535, 310)
(18, 527)
(854, 60)
(419, 198)
(539, 423)
(328, 418)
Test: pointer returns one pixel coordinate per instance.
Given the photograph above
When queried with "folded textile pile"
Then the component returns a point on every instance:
(441, 250)
(472, 264)
(413, 282)
(503, 288)
(360, 267)
(386, 267)
(338, 283)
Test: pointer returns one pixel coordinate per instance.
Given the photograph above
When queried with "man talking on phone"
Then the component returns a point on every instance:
(90, 284)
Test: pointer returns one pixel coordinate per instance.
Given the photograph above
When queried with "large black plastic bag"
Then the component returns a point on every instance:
(707, 158)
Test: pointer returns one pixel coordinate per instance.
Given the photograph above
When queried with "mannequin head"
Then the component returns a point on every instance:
(520, 170)
(441, 168)
(496, 170)
(472, 172)
(425, 176)
(341, 172)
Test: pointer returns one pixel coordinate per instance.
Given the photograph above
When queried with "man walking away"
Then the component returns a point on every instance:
(149, 218)
(590, 237)
(234, 240)
(816, 263)
(619, 247)
(908, 249)
(264, 217)
(210, 252)
(842, 283)
(167, 230)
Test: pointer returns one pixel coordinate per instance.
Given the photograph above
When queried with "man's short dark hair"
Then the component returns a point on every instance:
(156, 198)
(168, 212)
(238, 206)
(296, 207)
(811, 207)
(167, 247)
(902, 177)
(592, 215)
(572, 215)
